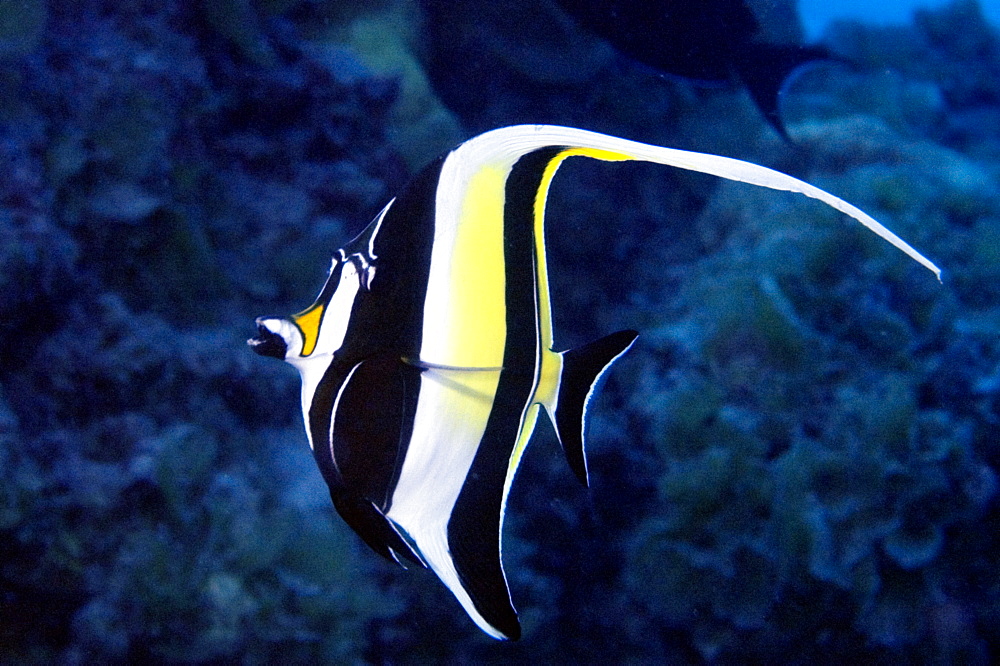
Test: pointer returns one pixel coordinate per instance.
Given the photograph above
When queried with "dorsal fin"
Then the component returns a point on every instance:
(501, 148)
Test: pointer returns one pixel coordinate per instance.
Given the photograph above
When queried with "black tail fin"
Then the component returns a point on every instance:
(582, 368)
(765, 71)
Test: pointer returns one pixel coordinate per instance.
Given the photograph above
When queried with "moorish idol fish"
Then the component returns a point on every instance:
(428, 354)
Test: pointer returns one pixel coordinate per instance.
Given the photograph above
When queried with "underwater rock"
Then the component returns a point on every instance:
(38, 271)
(141, 518)
(123, 202)
(915, 546)
(418, 124)
(239, 22)
(22, 23)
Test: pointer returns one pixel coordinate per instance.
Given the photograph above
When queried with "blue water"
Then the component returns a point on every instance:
(818, 14)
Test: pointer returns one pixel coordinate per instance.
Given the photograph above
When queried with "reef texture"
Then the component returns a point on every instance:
(797, 462)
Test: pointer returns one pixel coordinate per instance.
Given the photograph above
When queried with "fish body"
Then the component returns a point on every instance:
(429, 354)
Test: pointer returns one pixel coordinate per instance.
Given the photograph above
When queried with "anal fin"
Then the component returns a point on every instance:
(581, 372)
(373, 527)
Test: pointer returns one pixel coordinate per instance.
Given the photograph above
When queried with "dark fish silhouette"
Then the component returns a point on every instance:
(705, 40)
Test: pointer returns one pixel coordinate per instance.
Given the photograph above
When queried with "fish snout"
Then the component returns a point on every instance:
(268, 342)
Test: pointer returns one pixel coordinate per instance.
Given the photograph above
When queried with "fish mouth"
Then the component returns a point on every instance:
(267, 342)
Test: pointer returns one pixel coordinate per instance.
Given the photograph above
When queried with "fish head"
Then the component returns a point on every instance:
(320, 331)
(272, 337)
(317, 332)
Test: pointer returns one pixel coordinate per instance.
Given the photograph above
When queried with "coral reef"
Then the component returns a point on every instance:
(156, 500)
(797, 461)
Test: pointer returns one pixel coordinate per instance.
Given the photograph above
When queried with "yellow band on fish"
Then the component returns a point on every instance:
(308, 322)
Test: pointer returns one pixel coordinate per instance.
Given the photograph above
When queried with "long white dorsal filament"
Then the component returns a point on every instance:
(520, 140)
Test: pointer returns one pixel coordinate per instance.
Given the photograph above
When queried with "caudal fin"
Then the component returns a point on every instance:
(582, 368)
(766, 71)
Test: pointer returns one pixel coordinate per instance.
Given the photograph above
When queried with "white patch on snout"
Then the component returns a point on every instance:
(288, 332)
